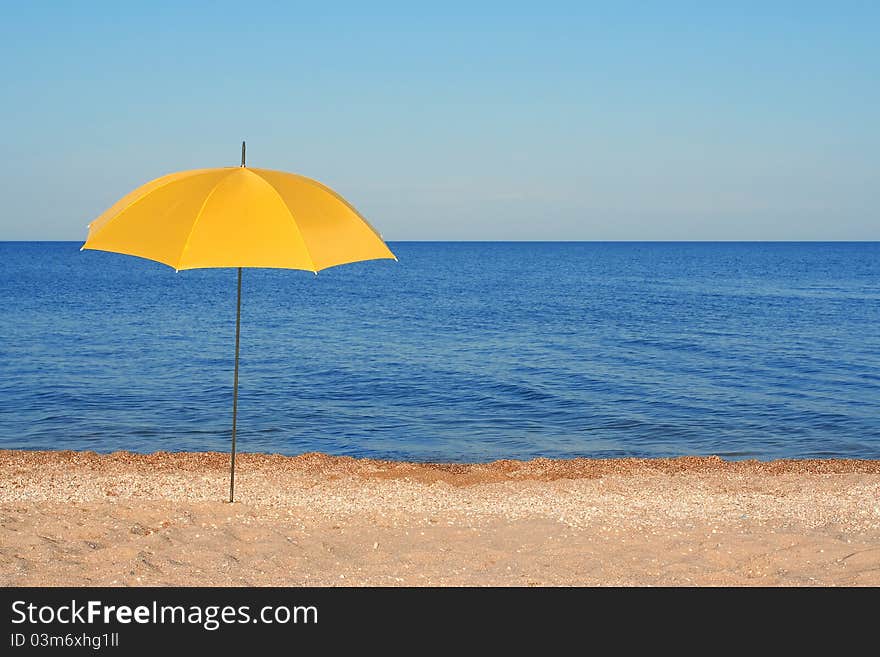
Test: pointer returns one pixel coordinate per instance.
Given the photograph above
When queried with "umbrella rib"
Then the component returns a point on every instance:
(196, 220)
(289, 214)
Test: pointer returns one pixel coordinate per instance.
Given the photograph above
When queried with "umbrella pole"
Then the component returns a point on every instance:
(235, 392)
(235, 378)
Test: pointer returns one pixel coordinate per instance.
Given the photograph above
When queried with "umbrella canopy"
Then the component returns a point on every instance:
(237, 217)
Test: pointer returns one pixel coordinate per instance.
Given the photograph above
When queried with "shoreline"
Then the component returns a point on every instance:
(82, 518)
(479, 472)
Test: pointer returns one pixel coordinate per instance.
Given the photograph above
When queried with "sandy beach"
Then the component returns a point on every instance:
(79, 518)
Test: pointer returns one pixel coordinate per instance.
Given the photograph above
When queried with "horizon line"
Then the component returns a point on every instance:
(557, 241)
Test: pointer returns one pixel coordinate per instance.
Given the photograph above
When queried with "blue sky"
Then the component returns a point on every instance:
(581, 121)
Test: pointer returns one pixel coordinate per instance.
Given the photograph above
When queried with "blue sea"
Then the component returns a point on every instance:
(458, 352)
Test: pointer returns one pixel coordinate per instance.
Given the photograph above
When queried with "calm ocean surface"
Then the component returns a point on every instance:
(459, 352)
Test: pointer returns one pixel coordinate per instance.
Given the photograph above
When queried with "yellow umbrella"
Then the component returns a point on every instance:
(237, 217)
